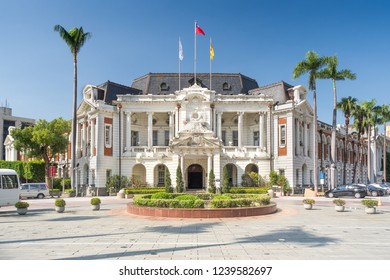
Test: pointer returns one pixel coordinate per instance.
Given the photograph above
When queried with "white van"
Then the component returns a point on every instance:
(36, 190)
(9, 187)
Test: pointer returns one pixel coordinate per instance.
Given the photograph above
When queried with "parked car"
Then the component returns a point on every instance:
(386, 185)
(36, 190)
(376, 190)
(358, 191)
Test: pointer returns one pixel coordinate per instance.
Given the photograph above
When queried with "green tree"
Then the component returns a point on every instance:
(312, 65)
(331, 73)
(358, 124)
(273, 178)
(115, 182)
(347, 105)
(75, 38)
(179, 180)
(212, 188)
(385, 117)
(225, 180)
(43, 140)
(167, 181)
(369, 121)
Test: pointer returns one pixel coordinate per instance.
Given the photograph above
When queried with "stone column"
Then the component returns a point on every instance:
(219, 117)
(171, 125)
(305, 139)
(92, 148)
(177, 124)
(150, 130)
(261, 131)
(84, 143)
(128, 131)
(240, 129)
(182, 171)
(217, 172)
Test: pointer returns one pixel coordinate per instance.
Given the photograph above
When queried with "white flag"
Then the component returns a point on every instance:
(181, 56)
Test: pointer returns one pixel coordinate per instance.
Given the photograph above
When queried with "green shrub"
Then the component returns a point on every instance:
(212, 187)
(243, 190)
(308, 201)
(21, 204)
(233, 201)
(179, 180)
(144, 190)
(186, 197)
(339, 201)
(60, 202)
(55, 190)
(95, 201)
(162, 195)
(370, 203)
(273, 177)
(69, 191)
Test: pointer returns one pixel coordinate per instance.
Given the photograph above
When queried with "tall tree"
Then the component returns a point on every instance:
(358, 124)
(43, 140)
(385, 117)
(75, 39)
(179, 180)
(369, 109)
(167, 181)
(331, 73)
(347, 105)
(312, 65)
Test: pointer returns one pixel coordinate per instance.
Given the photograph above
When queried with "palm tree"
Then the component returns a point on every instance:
(311, 65)
(331, 73)
(385, 117)
(369, 109)
(75, 39)
(358, 116)
(347, 105)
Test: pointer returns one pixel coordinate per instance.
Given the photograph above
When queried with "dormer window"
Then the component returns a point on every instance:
(226, 86)
(164, 87)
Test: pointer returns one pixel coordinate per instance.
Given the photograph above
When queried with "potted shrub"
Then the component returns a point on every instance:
(68, 193)
(339, 204)
(371, 205)
(21, 207)
(308, 203)
(60, 205)
(95, 203)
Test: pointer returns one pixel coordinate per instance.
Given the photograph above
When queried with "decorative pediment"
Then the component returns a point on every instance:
(195, 140)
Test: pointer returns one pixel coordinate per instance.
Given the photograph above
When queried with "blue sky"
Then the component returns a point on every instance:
(261, 39)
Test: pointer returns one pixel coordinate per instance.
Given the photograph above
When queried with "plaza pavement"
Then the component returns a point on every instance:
(292, 233)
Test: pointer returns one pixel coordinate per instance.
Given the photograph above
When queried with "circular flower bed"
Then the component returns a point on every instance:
(202, 205)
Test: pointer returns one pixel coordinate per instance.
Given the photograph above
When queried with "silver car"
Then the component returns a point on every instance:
(36, 190)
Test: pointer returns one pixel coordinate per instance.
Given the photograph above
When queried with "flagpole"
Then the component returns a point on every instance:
(195, 53)
(179, 62)
(210, 62)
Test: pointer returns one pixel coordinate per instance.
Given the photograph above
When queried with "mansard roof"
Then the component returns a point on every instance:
(279, 91)
(108, 91)
(168, 83)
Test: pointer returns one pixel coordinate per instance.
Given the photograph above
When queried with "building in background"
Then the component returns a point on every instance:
(7, 123)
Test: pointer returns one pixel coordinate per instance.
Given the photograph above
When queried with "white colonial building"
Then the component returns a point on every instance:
(142, 129)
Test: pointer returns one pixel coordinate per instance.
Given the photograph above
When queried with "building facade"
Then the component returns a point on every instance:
(7, 123)
(142, 129)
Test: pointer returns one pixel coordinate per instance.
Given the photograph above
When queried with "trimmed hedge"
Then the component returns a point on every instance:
(198, 201)
(257, 190)
(144, 190)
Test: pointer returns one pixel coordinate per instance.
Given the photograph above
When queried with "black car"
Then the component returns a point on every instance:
(357, 191)
(375, 190)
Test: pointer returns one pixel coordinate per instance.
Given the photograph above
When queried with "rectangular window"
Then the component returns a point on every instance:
(281, 172)
(282, 135)
(166, 137)
(155, 138)
(255, 138)
(161, 175)
(224, 137)
(9, 181)
(134, 138)
(108, 173)
(108, 135)
(235, 138)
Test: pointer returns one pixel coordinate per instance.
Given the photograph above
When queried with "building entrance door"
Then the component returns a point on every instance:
(195, 176)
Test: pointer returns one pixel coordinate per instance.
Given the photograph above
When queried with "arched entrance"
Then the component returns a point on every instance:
(195, 176)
